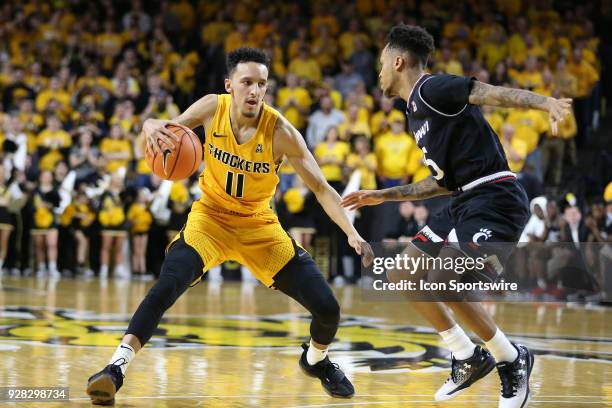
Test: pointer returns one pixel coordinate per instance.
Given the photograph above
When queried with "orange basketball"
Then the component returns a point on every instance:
(180, 163)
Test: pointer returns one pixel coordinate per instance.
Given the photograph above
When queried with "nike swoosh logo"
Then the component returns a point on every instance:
(123, 347)
(215, 134)
(164, 161)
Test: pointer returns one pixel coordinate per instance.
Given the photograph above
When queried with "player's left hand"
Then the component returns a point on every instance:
(361, 198)
(362, 248)
(558, 109)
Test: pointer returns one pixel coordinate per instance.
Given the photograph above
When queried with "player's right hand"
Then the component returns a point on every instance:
(558, 109)
(158, 138)
(362, 198)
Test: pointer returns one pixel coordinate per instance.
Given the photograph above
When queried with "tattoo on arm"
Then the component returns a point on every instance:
(485, 94)
(416, 191)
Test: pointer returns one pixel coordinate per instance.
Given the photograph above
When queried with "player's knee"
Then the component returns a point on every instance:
(327, 311)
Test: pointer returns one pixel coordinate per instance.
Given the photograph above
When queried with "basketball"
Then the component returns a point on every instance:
(180, 163)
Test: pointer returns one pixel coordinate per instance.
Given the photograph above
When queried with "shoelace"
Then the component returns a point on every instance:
(124, 361)
(453, 374)
(509, 382)
(330, 368)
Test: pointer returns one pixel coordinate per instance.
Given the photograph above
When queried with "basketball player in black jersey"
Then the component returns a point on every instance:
(487, 204)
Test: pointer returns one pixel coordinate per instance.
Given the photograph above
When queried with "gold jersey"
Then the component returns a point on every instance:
(239, 177)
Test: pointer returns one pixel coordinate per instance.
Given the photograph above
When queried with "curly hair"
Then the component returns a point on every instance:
(246, 54)
(414, 40)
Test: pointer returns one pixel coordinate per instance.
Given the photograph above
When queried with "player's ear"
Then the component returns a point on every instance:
(399, 62)
(228, 85)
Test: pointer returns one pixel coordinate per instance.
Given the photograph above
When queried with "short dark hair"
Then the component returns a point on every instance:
(412, 39)
(246, 54)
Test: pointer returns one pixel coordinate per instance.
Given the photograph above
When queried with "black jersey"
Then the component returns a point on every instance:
(458, 144)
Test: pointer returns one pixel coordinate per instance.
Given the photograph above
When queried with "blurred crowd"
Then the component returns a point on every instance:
(78, 78)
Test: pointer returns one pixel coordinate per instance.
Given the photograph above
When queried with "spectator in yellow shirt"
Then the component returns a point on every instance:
(51, 142)
(381, 120)
(347, 39)
(239, 38)
(294, 102)
(331, 155)
(515, 148)
(108, 44)
(457, 32)
(214, 32)
(353, 125)
(547, 86)
(365, 161)
(494, 118)
(587, 77)
(564, 80)
(447, 63)
(54, 91)
(305, 66)
(530, 77)
(323, 16)
(116, 149)
(325, 49)
(554, 147)
(528, 124)
(393, 150)
(492, 51)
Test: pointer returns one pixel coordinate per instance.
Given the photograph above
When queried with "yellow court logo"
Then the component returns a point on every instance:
(369, 344)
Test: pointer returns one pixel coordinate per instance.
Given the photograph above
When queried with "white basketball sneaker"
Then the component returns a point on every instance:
(515, 379)
(465, 373)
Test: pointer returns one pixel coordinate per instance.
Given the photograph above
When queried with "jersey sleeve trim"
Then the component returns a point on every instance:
(434, 109)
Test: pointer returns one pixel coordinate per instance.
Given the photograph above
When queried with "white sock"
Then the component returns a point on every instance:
(52, 265)
(458, 342)
(103, 269)
(122, 357)
(501, 348)
(41, 266)
(314, 355)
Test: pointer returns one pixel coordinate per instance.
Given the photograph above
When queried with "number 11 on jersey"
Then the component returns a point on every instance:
(229, 184)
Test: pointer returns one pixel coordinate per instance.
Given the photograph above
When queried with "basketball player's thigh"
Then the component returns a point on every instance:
(205, 233)
(264, 248)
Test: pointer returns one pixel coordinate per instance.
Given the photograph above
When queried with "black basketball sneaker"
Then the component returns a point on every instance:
(465, 373)
(102, 386)
(515, 379)
(332, 378)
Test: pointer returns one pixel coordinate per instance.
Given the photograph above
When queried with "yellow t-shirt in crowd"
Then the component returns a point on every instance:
(339, 151)
(496, 121)
(528, 124)
(302, 98)
(368, 177)
(521, 148)
(116, 146)
(381, 121)
(393, 153)
(308, 69)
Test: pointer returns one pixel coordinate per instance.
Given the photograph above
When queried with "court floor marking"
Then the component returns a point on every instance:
(433, 402)
(467, 398)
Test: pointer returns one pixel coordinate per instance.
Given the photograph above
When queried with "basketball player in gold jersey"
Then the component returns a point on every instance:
(246, 140)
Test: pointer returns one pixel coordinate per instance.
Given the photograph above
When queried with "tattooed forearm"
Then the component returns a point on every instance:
(485, 94)
(420, 190)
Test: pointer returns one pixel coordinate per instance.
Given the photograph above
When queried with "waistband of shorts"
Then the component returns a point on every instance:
(491, 178)
(212, 207)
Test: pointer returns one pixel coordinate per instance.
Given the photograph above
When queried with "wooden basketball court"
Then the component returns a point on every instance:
(238, 346)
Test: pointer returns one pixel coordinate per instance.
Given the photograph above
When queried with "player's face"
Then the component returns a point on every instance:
(247, 85)
(387, 73)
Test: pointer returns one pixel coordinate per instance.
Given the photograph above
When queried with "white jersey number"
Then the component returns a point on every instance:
(436, 171)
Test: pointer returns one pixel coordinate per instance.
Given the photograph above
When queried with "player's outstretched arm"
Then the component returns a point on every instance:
(420, 190)
(290, 143)
(485, 94)
(196, 115)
